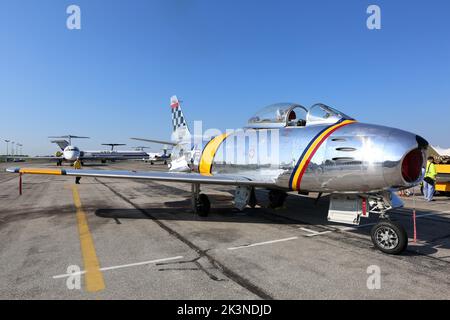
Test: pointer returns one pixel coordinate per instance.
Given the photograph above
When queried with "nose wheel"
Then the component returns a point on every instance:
(389, 237)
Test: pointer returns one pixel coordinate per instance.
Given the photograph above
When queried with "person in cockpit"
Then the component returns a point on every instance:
(293, 122)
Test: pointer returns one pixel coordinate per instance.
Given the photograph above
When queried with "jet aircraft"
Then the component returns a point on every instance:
(70, 153)
(286, 147)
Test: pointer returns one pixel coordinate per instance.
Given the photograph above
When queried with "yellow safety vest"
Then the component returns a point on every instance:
(77, 164)
(431, 171)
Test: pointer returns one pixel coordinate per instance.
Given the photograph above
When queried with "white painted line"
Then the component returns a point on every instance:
(357, 227)
(317, 234)
(426, 215)
(118, 267)
(309, 230)
(262, 243)
(313, 232)
(432, 214)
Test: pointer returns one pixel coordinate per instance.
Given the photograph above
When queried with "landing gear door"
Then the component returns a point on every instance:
(346, 209)
(241, 197)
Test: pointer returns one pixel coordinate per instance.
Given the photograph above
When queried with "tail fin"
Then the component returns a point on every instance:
(61, 143)
(179, 126)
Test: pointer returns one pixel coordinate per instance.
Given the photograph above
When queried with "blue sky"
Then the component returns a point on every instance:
(112, 79)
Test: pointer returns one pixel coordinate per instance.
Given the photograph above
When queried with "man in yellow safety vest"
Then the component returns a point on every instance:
(429, 180)
(77, 166)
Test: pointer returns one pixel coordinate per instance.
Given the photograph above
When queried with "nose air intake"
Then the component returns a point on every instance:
(404, 158)
(414, 160)
(412, 166)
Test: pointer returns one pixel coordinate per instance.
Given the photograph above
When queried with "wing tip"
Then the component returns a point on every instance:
(37, 171)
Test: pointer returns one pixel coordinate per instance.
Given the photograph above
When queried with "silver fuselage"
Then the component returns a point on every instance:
(356, 158)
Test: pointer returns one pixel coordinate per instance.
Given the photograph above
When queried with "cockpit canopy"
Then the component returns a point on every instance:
(72, 148)
(295, 115)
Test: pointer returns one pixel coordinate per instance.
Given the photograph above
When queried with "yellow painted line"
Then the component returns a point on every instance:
(40, 171)
(208, 154)
(94, 277)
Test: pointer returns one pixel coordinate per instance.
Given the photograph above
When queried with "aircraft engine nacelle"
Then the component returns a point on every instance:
(364, 158)
(404, 159)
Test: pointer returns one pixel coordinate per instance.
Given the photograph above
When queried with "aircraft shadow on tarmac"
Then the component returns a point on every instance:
(432, 234)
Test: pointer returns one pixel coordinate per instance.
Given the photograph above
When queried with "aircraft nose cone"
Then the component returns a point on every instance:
(403, 159)
(71, 155)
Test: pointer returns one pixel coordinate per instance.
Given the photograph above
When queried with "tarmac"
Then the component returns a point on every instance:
(135, 239)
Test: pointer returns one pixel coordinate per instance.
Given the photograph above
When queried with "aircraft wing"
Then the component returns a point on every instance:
(145, 175)
(44, 158)
(156, 141)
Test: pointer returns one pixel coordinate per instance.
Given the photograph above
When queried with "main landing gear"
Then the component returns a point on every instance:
(200, 201)
(276, 198)
(243, 196)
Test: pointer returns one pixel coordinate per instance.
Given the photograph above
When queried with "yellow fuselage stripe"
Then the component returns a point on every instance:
(312, 149)
(208, 154)
(94, 277)
(40, 171)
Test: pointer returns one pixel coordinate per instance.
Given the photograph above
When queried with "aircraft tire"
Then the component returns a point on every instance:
(252, 201)
(203, 205)
(277, 198)
(389, 237)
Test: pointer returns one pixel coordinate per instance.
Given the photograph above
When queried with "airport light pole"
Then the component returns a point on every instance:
(7, 150)
(7, 147)
(12, 148)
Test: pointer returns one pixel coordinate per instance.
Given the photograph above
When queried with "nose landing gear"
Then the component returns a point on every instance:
(387, 236)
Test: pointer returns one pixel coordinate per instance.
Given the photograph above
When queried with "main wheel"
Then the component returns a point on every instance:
(277, 198)
(389, 237)
(203, 205)
(252, 201)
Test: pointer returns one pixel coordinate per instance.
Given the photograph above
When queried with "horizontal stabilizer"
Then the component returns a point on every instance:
(61, 143)
(156, 141)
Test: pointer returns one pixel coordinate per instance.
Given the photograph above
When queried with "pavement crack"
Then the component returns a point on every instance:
(238, 279)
